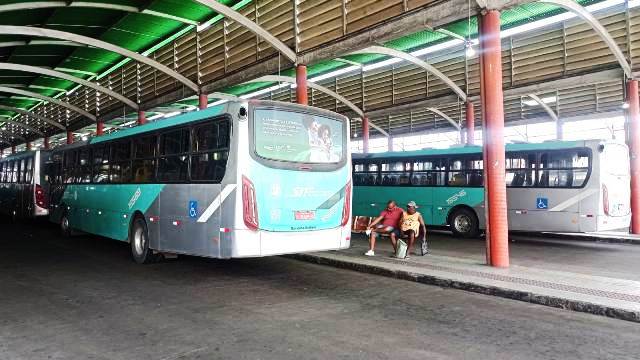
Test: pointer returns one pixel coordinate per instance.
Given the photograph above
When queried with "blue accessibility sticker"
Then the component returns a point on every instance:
(193, 209)
(542, 203)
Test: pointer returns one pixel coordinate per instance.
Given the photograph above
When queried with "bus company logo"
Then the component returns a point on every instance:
(135, 197)
(301, 191)
(455, 197)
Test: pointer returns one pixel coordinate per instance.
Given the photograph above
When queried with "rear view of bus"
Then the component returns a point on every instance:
(294, 172)
(615, 209)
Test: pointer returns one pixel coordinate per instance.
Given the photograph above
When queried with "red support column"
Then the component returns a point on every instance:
(69, 137)
(142, 118)
(46, 143)
(100, 128)
(634, 141)
(493, 138)
(203, 101)
(365, 135)
(13, 149)
(301, 82)
(28, 145)
(470, 122)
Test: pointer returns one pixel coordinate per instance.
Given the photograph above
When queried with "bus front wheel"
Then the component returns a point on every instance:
(464, 223)
(65, 226)
(139, 241)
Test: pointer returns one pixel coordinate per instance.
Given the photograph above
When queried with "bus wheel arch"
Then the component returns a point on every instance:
(463, 221)
(139, 240)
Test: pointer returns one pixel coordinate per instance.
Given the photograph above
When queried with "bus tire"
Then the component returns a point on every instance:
(65, 226)
(464, 223)
(139, 241)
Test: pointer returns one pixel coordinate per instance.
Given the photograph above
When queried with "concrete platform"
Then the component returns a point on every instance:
(579, 276)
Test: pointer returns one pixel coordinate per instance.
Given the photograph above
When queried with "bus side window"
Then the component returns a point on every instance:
(520, 170)
(100, 163)
(28, 172)
(209, 152)
(14, 173)
(174, 160)
(120, 162)
(144, 163)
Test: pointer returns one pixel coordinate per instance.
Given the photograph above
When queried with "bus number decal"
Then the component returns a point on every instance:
(455, 197)
(134, 198)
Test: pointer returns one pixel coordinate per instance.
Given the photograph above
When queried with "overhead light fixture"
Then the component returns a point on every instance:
(625, 105)
(469, 52)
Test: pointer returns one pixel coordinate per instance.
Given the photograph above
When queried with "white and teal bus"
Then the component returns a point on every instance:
(555, 186)
(23, 185)
(242, 179)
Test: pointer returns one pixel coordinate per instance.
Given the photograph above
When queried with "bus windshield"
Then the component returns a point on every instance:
(284, 135)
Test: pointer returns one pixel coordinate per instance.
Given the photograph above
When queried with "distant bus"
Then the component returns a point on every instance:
(23, 186)
(560, 186)
(242, 179)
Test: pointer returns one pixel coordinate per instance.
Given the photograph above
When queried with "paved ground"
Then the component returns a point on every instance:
(85, 299)
(584, 257)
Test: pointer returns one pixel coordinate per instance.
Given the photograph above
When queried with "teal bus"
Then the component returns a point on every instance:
(242, 179)
(559, 186)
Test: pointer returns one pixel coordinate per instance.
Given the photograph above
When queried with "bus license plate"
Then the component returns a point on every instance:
(305, 215)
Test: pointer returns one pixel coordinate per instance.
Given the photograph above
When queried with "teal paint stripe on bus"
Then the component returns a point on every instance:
(115, 201)
(434, 203)
(156, 125)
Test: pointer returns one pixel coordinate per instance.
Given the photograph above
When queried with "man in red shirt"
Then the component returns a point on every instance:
(390, 217)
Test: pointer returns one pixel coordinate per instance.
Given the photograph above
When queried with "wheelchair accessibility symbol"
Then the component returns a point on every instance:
(542, 203)
(193, 209)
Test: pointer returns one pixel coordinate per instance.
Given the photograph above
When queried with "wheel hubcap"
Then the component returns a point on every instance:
(139, 240)
(462, 223)
(65, 224)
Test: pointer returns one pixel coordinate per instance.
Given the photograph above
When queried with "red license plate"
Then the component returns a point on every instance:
(305, 215)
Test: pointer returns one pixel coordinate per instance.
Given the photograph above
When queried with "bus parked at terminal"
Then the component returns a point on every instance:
(241, 179)
(560, 186)
(23, 186)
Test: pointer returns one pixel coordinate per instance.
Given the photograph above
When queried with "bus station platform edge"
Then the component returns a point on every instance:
(599, 295)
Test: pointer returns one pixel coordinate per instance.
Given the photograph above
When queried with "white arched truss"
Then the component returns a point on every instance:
(22, 125)
(51, 100)
(62, 35)
(585, 15)
(94, 5)
(446, 117)
(33, 115)
(342, 99)
(251, 26)
(77, 80)
(416, 61)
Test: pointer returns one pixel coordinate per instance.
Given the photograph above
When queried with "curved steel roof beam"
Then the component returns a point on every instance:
(416, 61)
(446, 117)
(85, 4)
(22, 125)
(217, 95)
(33, 115)
(77, 80)
(8, 133)
(342, 99)
(62, 35)
(544, 106)
(585, 15)
(39, 42)
(251, 26)
(58, 102)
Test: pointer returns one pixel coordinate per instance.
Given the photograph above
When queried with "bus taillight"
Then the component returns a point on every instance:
(249, 204)
(346, 210)
(605, 199)
(40, 198)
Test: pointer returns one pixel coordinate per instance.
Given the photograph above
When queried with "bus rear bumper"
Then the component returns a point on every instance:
(608, 223)
(249, 243)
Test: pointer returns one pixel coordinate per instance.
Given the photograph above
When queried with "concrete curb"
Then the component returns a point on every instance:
(552, 301)
(582, 237)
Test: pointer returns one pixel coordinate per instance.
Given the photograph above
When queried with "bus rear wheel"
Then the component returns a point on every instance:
(139, 241)
(65, 226)
(464, 223)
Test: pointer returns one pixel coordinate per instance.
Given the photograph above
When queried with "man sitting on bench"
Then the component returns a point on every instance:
(410, 225)
(390, 218)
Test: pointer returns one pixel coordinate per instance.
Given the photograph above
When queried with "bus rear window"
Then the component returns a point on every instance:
(298, 137)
